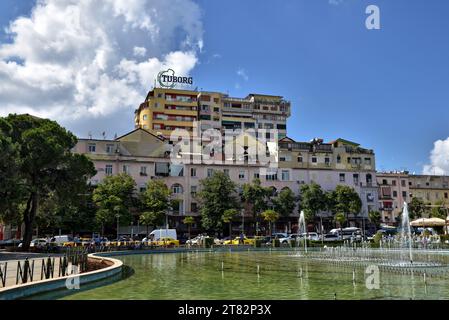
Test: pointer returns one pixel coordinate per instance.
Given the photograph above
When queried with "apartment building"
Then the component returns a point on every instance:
(145, 156)
(167, 109)
(431, 189)
(393, 192)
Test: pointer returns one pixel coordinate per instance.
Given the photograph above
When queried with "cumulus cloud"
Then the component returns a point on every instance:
(73, 60)
(242, 73)
(439, 159)
(335, 2)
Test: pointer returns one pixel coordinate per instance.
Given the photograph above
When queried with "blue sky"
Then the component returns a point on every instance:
(386, 89)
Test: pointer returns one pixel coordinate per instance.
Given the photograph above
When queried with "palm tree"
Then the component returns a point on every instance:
(227, 217)
(189, 221)
(270, 216)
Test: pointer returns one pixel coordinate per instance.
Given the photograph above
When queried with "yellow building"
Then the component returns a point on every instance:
(167, 109)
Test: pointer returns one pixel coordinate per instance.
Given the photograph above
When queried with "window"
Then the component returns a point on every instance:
(143, 171)
(193, 190)
(193, 172)
(445, 195)
(226, 172)
(145, 117)
(395, 194)
(194, 207)
(369, 179)
(91, 147)
(216, 109)
(403, 183)
(285, 175)
(384, 182)
(313, 159)
(109, 148)
(125, 169)
(393, 182)
(108, 169)
(300, 159)
(256, 175)
(368, 161)
(162, 169)
(271, 177)
(176, 170)
(404, 194)
(327, 161)
(210, 172)
(342, 177)
(242, 175)
(356, 178)
(176, 189)
(338, 159)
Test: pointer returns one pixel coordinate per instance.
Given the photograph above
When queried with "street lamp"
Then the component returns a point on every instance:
(118, 217)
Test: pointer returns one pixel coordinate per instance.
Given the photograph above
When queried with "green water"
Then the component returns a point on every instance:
(200, 276)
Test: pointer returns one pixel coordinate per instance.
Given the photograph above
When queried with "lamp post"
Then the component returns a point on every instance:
(118, 217)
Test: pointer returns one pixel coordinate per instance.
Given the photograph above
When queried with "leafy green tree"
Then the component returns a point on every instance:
(313, 200)
(256, 197)
(114, 197)
(439, 211)
(218, 193)
(155, 201)
(416, 208)
(340, 218)
(345, 200)
(228, 216)
(39, 153)
(189, 221)
(151, 218)
(375, 217)
(284, 202)
(270, 216)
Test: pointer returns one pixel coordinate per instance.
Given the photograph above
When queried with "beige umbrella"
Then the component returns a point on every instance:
(428, 222)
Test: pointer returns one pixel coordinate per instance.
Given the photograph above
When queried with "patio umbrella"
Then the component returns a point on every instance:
(428, 222)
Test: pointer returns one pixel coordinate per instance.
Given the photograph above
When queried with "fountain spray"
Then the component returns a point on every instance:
(406, 231)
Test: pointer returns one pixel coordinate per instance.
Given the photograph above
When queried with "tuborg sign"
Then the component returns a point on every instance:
(167, 79)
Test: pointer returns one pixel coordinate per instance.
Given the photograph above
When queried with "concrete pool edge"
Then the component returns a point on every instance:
(22, 291)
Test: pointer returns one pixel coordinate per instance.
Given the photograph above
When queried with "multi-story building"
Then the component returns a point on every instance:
(433, 190)
(146, 156)
(393, 192)
(167, 109)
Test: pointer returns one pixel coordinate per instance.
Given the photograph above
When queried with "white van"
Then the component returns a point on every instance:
(61, 239)
(163, 233)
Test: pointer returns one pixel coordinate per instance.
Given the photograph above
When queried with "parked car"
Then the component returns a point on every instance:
(286, 240)
(331, 237)
(195, 241)
(40, 242)
(60, 240)
(311, 236)
(165, 241)
(236, 241)
(279, 235)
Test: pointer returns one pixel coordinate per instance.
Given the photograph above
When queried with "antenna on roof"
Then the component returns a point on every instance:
(89, 134)
(115, 136)
(104, 135)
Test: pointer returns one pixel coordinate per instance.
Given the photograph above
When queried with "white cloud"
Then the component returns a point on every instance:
(73, 60)
(439, 159)
(139, 51)
(242, 73)
(335, 2)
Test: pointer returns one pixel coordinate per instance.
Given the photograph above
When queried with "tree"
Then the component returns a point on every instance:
(38, 161)
(218, 193)
(345, 200)
(270, 216)
(151, 218)
(155, 201)
(416, 208)
(439, 211)
(114, 197)
(340, 218)
(284, 202)
(256, 196)
(313, 200)
(375, 217)
(189, 221)
(227, 217)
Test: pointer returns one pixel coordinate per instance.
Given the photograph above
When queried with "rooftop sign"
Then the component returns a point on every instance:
(168, 79)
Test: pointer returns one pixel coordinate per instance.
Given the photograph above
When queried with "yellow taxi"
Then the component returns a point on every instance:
(236, 241)
(166, 242)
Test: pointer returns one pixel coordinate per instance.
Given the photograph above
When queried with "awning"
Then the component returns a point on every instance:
(428, 222)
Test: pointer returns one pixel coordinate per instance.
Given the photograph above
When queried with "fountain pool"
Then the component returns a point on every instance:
(263, 275)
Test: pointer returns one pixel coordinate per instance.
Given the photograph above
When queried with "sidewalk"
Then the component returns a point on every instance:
(11, 260)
